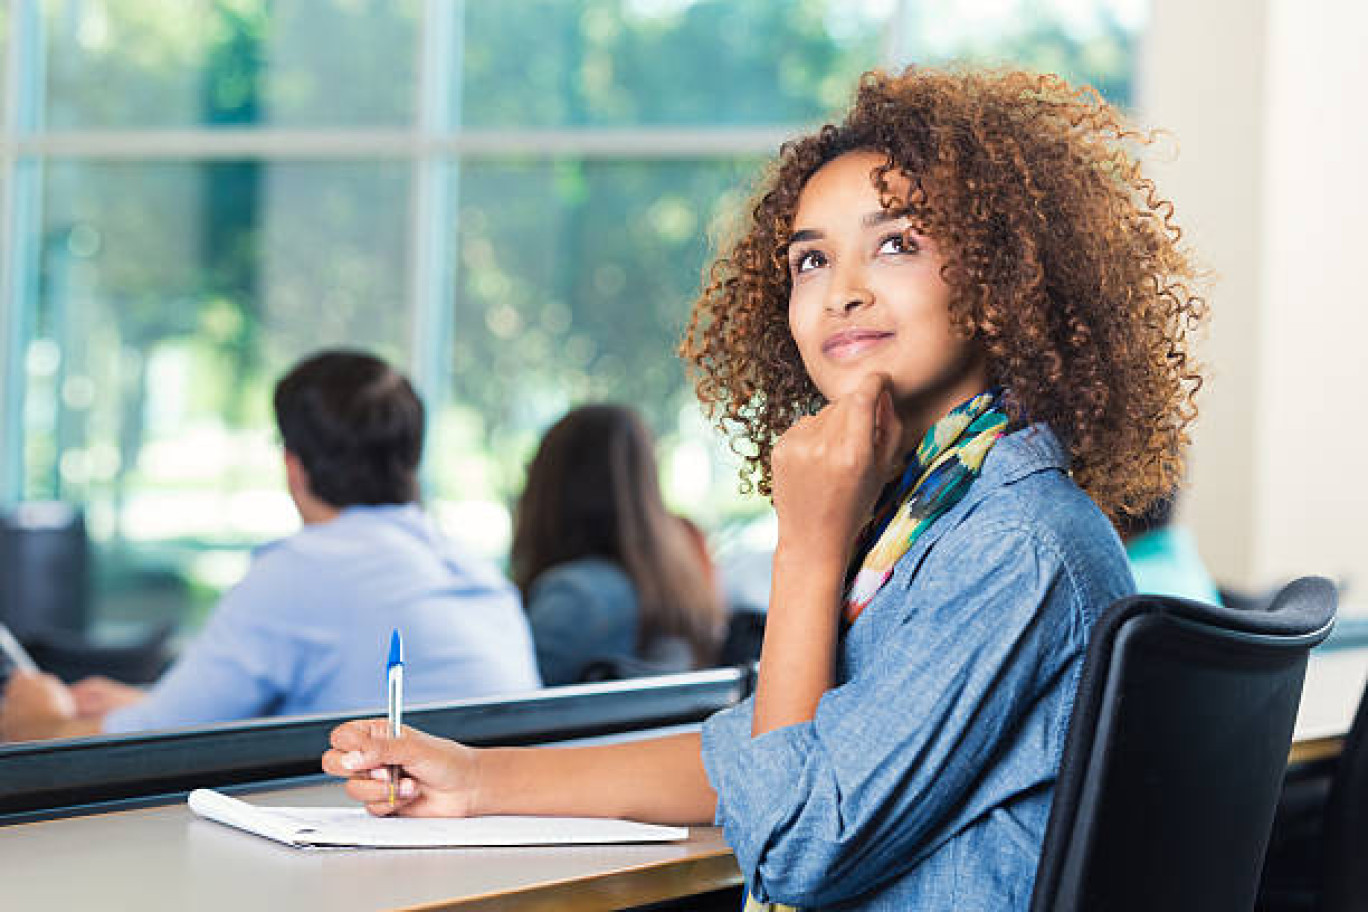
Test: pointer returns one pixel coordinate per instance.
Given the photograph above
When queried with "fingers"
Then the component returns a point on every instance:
(37, 685)
(359, 734)
(888, 434)
(374, 789)
(12, 683)
(860, 433)
(866, 425)
(92, 695)
(863, 409)
(20, 679)
(35, 706)
(364, 745)
(384, 808)
(357, 747)
(88, 704)
(873, 383)
(363, 742)
(333, 765)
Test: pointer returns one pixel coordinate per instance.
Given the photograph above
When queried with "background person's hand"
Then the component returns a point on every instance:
(438, 778)
(97, 695)
(830, 467)
(35, 706)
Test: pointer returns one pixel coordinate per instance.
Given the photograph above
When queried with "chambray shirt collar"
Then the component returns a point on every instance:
(1024, 452)
(1017, 455)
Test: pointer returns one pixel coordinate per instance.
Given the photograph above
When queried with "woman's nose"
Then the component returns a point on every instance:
(849, 295)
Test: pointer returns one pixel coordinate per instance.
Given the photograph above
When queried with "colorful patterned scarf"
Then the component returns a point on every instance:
(937, 476)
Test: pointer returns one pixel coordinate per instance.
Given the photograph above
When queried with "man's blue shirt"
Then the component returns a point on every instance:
(307, 629)
(925, 778)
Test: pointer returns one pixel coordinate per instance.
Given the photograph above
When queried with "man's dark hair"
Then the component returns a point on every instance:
(355, 425)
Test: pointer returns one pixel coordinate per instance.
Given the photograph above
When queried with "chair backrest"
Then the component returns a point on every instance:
(1344, 844)
(745, 634)
(44, 568)
(1175, 753)
(72, 656)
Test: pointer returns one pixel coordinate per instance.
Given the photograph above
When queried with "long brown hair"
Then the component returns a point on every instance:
(592, 491)
(1064, 260)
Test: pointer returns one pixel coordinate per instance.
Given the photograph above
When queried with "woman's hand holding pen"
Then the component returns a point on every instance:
(439, 777)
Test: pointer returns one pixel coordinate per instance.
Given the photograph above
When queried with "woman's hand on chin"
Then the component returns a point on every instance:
(829, 469)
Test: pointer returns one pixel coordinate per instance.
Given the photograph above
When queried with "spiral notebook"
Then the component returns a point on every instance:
(353, 827)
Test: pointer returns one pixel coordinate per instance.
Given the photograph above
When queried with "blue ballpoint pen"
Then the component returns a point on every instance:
(394, 675)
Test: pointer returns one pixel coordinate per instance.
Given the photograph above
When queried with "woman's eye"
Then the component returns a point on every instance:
(897, 243)
(806, 261)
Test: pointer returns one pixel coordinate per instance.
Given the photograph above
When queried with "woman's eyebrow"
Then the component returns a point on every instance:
(883, 216)
(804, 234)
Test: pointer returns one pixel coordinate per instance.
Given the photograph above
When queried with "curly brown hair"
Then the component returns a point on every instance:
(1063, 262)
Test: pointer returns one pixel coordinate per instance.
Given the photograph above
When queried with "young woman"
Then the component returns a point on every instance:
(952, 333)
(613, 583)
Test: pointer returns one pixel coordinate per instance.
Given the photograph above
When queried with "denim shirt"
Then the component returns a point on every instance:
(924, 779)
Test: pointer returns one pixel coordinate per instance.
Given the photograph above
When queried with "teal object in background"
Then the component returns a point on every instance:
(1166, 562)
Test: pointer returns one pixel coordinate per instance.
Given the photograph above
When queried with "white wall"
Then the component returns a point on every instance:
(1202, 79)
(1265, 97)
(1311, 480)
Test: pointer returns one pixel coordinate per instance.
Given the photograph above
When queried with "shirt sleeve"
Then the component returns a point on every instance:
(895, 760)
(238, 667)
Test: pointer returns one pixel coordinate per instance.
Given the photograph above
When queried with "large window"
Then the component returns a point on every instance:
(512, 200)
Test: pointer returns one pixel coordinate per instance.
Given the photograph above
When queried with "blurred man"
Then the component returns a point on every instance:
(306, 631)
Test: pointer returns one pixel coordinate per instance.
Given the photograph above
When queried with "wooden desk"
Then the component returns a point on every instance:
(166, 858)
(1334, 683)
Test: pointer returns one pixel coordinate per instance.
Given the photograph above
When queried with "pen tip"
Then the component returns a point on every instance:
(396, 650)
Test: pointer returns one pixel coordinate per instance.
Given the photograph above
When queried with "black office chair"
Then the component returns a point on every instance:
(1176, 751)
(1243, 600)
(745, 634)
(72, 657)
(44, 568)
(1344, 843)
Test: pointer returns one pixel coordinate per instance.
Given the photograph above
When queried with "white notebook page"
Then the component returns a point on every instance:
(354, 827)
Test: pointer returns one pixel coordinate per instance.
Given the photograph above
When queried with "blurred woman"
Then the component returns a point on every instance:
(614, 584)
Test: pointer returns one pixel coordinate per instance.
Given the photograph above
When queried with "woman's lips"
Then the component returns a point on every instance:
(852, 343)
